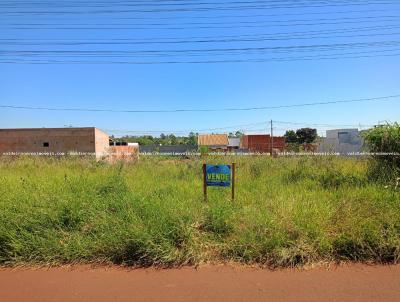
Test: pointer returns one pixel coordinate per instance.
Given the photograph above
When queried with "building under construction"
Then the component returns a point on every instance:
(57, 141)
(262, 143)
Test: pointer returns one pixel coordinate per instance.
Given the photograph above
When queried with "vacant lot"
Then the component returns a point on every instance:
(288, 211)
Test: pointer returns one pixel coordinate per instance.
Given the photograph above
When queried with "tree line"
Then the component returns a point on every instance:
(166, 139)
(299, 137)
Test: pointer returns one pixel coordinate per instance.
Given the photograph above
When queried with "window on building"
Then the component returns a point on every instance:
(46, 144)
(344, 137)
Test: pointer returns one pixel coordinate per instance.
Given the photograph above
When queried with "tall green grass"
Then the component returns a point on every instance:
(287, 212)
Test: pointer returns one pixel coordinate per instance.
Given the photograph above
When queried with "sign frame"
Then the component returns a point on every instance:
(206, 183)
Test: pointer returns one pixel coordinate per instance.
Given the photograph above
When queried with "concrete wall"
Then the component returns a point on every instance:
(342, 141)
(234, 142)
(54, 140)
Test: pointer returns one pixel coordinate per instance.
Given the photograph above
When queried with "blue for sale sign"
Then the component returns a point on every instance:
(218, 175)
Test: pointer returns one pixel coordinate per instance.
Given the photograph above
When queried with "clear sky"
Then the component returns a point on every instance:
(233, 30)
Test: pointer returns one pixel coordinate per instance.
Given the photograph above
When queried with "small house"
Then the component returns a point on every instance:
(214, 142)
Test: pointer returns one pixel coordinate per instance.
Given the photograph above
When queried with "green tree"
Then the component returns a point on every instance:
(291, 137)
(192, 139)
(145, 140)
(306, 135)
(239, 134)
(172, 139)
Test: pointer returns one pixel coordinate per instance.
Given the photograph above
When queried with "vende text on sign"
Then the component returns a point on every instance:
(218, 175)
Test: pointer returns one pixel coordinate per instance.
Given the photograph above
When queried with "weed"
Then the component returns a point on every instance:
(287, 212)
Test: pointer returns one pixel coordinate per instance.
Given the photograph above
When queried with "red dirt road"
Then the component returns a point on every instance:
(213, 283)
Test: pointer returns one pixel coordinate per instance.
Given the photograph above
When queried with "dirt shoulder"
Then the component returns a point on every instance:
(209, 283)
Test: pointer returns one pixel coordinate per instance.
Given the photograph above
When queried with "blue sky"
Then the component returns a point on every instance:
(170, 86)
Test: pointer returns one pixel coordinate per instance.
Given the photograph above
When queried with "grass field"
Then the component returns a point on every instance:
(288, 212)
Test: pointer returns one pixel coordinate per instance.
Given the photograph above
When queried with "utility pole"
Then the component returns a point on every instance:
(272, 138)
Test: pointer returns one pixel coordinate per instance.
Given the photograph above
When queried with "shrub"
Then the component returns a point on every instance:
(204, 150)
(385, 140)
(4, 248)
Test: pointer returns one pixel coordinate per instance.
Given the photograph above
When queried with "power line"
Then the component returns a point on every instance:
(203, 23)
(126, 53)
(96, 4)
(20, 27)
(289, 59)
(321, 125)
(142, 3)
(225, 37)
(215, 8)
(127, 42)
(382, 98)
(237, 127)
(259, 15)
(187, 130)
(200, 9)
(247, 15)
(349, 55)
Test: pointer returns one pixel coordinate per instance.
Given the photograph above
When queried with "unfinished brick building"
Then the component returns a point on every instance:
(261, 143)
(88, 140)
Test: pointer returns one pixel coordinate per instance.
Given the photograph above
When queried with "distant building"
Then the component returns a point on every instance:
(261, 143)
(56, 141)
(122, 150)
(342, 141)
(233, 143)
(214, 142)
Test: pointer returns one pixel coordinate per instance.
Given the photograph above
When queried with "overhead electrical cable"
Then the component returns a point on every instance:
(15, 42)
(380, 99)
(208, 50)
(118, 27)
(96, 4)
(239, 127)
(215, 61)
(199, 9)
(257, 35)
(230, 16)
(203, 23)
